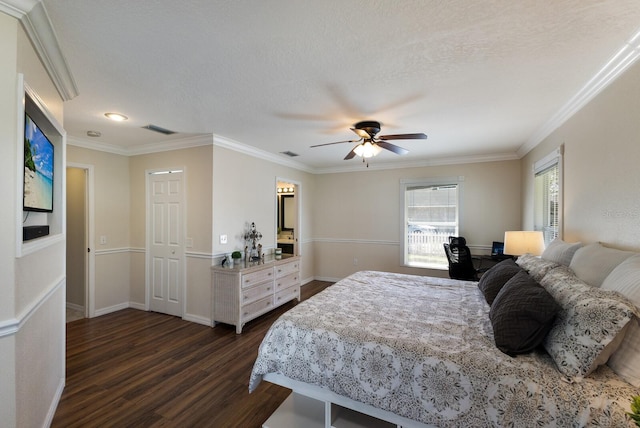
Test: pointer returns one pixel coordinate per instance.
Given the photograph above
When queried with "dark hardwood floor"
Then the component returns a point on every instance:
(143, 369)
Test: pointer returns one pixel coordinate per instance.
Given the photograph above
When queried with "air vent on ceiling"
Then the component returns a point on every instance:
(290, 154)
(159, 129)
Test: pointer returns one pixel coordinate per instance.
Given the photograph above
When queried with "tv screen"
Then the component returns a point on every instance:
(38, 169)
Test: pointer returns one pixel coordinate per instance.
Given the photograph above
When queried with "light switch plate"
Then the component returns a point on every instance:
(223, 239)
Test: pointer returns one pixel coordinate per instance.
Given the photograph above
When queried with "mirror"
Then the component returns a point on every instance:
(287, 212)
(287, 217)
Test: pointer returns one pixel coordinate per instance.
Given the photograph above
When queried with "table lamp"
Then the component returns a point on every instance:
(519, 242)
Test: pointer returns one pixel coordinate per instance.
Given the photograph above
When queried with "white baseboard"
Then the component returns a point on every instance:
(54, 403)
(140, 306)
(136, 305)
(114, 308)
(197, 319)
(75, 307)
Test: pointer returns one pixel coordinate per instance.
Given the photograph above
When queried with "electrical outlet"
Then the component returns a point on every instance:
(189, 242)
(223, 239)
(355, 262)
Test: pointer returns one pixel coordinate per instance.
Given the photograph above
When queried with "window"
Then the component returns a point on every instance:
(430, 211)
(547, 195)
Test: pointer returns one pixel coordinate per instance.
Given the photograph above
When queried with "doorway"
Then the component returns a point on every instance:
(288, 216)
(166, 275)
(80, 259)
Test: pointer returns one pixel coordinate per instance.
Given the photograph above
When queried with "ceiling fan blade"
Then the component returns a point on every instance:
(351, 154)
(404, 137)
(395, 149)
(337, 142)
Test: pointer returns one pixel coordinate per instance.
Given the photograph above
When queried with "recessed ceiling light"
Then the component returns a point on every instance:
(116, 116)
(94, 133)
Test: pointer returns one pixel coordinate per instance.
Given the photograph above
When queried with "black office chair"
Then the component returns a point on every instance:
(460, 261)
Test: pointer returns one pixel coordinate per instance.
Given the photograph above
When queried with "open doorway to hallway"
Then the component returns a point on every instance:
(79, 256)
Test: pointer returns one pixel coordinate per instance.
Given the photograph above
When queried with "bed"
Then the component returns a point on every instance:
(421, 351)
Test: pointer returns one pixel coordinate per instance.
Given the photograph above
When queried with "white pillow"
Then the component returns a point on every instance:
(560, 252)
(592, 263)
(625, 279)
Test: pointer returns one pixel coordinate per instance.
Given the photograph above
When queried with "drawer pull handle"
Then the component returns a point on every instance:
(246, 313)
(270, 273)
(268, 288)
(246, 297)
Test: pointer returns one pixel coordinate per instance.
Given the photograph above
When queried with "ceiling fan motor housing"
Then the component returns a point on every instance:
(371, 127)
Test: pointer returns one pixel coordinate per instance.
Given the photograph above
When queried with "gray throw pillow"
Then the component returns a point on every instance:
(521, 315)
(492, 281)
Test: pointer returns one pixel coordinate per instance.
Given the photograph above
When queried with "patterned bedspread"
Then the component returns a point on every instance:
(423, 348)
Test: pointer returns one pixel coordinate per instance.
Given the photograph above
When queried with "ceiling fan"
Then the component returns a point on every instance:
(371, 144)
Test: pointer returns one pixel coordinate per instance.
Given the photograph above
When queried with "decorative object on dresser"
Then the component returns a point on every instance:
(252, 289)
(252, 236)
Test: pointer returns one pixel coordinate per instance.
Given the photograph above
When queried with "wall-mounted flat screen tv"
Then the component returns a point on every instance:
(38, 169)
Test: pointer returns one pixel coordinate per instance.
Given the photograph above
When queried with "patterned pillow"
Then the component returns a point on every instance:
(492, 281)
(521, 315)
(560, 252)
(536, 266)
(589, 321)
(625, 279)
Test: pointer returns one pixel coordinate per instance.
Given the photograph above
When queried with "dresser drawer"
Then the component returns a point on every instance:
(287, 268)
(253, 278)
(257, 308)
(287, 281)
(287, 294)
(257, 292)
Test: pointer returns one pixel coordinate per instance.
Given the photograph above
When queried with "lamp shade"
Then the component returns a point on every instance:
(519, 242)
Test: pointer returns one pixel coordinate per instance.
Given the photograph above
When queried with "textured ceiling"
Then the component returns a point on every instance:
(480, 78)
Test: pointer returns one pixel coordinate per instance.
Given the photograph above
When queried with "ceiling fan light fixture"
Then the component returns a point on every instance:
(367, 149)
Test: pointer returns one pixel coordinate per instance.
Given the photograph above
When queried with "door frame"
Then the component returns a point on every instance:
(298, 199)
(147, 221)
(90, 259)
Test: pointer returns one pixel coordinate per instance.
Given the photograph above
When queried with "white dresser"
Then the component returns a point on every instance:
(249, 290)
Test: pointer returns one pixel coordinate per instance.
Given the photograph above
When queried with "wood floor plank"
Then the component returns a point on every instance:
(142, 369)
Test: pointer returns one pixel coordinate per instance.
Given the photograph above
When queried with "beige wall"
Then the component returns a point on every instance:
(8, 155)
(601, 174)
(76, 240)
(244, 191)
(111, 220)
(32, 286)
(196, 163)
(357, 215)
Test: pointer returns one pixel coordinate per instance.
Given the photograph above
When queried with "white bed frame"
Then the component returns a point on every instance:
(312, 406)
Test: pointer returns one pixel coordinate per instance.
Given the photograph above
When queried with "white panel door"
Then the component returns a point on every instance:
(166, 242)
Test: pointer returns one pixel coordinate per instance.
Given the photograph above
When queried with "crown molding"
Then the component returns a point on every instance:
(17, 8)
(456, 160)
(36, 23)
(617, 65)
(230, 144)
(165, 146)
